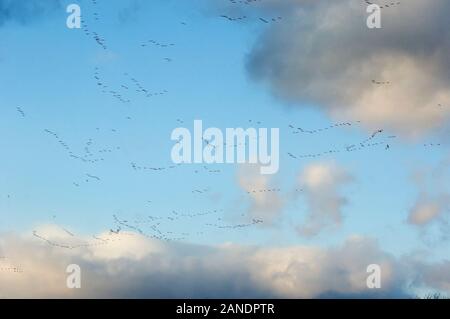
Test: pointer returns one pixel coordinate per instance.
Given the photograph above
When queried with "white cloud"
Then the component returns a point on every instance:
(433, 202)
(264, 204)
(322, 183)
(427, 210)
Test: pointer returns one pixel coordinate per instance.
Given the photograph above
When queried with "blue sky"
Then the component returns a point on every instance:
(48, 71)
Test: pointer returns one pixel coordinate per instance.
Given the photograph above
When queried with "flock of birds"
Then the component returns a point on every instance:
(157, 44)
(126, 87)
(7, 266)
(78, 242)
(381, 82)
(88, 153)
(204, 169)
(362, 145)
(270, 190)
(21, 112)
(265, 20)
(297, 130)
(384, 5)
(154, 227)
(100, 40)
(151, 227)
(160, 227)
(107, 90)
(241, 18)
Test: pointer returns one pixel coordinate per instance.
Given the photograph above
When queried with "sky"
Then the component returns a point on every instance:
(363, 116)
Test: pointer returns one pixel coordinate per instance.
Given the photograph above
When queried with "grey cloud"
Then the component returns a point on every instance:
(322, 183)
(323, 53)
(135, 267)
(435, 275)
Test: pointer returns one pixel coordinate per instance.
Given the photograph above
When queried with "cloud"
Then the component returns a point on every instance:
(435, 275)
(433, 201)
(322, 53)
(322, 183)
(131, 266)
(427, 209)
(24, 12)
(264, 204)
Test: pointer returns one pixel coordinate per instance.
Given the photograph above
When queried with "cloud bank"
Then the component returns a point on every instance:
(131, 266)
